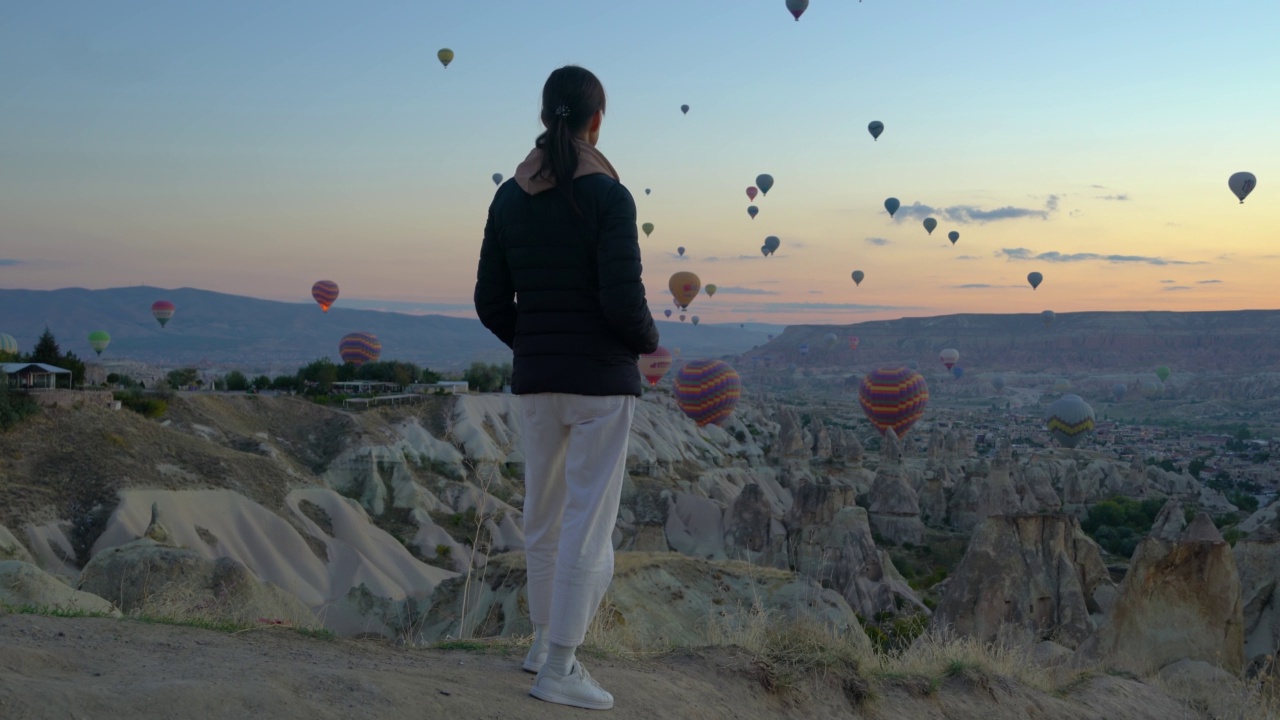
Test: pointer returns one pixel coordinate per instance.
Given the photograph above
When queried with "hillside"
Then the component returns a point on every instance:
(212, 328)
(1244, 341)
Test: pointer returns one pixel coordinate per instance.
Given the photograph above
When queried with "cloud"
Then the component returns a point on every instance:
(720, 289)
(968, 257)
(713, 258)
(1099, 187)
(977, 286)
(1207, 282)
(777, 308)
(1168, 282)
(878, 240)
(1122, 197)
(1176, 287)
(966, 214)
(1053, 256)
(409, 308)
(9, 262)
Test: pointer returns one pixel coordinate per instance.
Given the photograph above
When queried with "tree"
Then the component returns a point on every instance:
(185, 377)
(323, 373)
(487, 378)
(262, 382)
(47, 350)
(237, 382)
(285, 382)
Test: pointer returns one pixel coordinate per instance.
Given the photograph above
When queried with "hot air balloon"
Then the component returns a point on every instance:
(682, 317)
(707, 391)
(1162, 372)
(829, 339)
(1152, 389)
(1035, 279)
(694, 319)
(1061, 385)
(797, 7)
(930, 224)
(752, 210)
(497, 178)
(445, 56)
(764, 250)
(1048, 316)
(1242, 183)
(893, 397)
(648, 228)
(98, 340)
(162, 311)
(325, 292)
(751, 193)
(711, 291)
(8, 344)
(957, 372)
(912, 364)
(359, 348)
(804, 348)
(680, 251)
(949, 357)
(953, 236)
(654, 365)
(857, 277)
(1119, 390)
(997, 382)
(684, 109)
(647, 191)
(764, 181)
(684, 287)
(1070, 420)
(667, 312)
(875, 128)
(892, 205)
(773, 243)
(853, 342)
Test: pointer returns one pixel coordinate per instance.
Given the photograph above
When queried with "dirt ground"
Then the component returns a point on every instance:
(103, 668)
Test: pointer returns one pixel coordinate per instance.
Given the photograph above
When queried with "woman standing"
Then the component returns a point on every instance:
(559, 283)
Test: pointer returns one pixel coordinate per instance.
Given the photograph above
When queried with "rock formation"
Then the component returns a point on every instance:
(1037, 575)
(1179, 600)
(1258, 562)
(895, 510)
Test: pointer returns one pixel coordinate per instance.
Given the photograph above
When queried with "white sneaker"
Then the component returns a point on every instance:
(535, 659)
(576, 689)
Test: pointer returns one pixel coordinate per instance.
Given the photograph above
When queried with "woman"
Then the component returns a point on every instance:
(561, 237)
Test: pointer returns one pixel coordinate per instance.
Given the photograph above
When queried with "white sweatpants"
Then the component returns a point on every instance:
(575, 454)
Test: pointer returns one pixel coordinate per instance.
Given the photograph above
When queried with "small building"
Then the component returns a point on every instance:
(35, 376)
(365, 387)
(451, 387)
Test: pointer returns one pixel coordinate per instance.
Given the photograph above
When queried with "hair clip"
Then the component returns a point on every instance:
(563, 111)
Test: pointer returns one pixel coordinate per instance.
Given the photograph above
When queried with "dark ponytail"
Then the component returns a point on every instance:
(570, 98)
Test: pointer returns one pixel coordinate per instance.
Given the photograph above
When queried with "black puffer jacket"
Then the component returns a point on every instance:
(581, 319)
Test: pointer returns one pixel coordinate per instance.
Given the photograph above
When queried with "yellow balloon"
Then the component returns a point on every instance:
(711, 290)
(684, 286)
(446, 56)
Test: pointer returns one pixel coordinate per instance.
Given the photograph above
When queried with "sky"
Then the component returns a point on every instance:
(253, 148)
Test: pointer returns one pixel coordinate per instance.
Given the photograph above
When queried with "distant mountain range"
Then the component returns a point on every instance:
(221, 330)
(1245, 341)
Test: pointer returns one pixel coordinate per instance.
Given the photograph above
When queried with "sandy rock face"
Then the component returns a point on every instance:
(654, 599)
(1032, 574)
(1180, 600)
(153, 579)
(24, 584)
(895, 509)
(11, 549)
(1258, 561)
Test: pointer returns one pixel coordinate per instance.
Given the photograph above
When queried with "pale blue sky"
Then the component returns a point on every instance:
(253, 147)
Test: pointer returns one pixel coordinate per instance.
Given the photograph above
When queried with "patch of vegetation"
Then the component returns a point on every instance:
(1119, 524)
(49, 611)
(88, 509)
(15, 407)
(148, 406)
(317, 515)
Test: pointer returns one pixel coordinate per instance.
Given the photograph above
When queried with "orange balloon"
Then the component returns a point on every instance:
(684, 286)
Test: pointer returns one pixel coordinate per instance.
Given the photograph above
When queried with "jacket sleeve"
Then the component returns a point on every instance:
(621, 289)
(495, 294)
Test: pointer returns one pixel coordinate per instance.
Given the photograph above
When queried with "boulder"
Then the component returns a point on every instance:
(1037, 575)
(148, 578)
(22, 584)
(1258, 562)
(1179, 600)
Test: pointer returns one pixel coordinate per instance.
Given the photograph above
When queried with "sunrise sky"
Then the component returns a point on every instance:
(255, 147)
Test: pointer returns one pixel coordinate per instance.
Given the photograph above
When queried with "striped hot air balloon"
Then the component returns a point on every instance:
(656, 364)
(325, 292)
(893, 397)
(8, 344)
(707, 391)
(359, 348)
(1070, 420)
(162, 311)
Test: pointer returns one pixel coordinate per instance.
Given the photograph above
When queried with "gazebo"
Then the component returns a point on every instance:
(34, 376)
